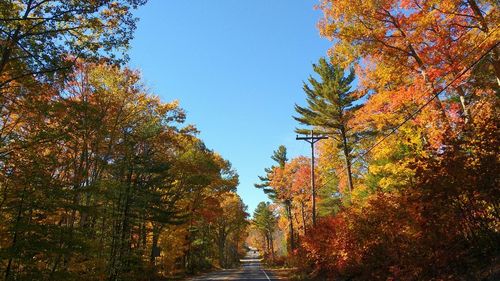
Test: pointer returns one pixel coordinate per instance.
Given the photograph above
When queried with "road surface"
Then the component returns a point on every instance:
(251, 269)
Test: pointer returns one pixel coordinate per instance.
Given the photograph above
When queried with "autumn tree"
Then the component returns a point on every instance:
(430, 71)
(329, 195)
(99, 178)
(442, 226)
(298, 174)
(41, 41)
(228, 228)
(115, 171)
(208, 178)
(411, 49)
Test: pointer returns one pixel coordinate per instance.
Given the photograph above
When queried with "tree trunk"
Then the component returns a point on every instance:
(16, 232)
(485, 28)
(303, 217)
(290, 224)
(465, 110)
(154, 246)
(266, 237)
(10, 44)
(347, 157)
(122, 244)
(222, 246)
(271, 242)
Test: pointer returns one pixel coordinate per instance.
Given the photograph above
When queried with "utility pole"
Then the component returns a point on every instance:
(312, 140)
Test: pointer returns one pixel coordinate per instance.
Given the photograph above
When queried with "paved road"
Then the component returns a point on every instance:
(251, 269)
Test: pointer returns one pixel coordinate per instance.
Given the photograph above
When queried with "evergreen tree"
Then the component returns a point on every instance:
(330, 108)
(265, 222)
(280, 156)
(330, 200)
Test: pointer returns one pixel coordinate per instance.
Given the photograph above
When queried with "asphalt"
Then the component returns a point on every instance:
(251, 269)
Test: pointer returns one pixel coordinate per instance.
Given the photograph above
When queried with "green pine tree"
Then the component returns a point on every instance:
(330, 107)
(280, 156)
(265, 221)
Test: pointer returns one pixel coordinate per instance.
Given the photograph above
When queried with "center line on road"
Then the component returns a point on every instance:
(266, 275)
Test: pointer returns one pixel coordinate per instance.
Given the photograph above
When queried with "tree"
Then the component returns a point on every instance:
(99, 178)
(272, 186)
(115, 172)
(265, 222)
(298, 175)
(279, 156)
(329, 195)
(208, 179)
(441, 227)
(43, 38)
(330, 108)
(231, 222)
(403, 44)
(424, 201)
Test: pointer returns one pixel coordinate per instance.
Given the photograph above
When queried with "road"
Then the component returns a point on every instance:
(251, 269)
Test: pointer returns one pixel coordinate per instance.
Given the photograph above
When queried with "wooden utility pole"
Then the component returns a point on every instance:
(312, 140)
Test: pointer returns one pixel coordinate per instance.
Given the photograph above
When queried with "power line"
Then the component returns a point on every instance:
(414, 114)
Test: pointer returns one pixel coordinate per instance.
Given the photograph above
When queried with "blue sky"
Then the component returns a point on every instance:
(237, 69)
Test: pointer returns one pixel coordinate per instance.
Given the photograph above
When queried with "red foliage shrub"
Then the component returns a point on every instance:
(443, 227)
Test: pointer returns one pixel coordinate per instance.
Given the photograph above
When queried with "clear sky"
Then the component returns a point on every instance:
(237, 67)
